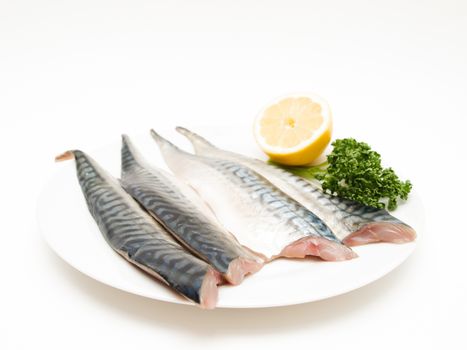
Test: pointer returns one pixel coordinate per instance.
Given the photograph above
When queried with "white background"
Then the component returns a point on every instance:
(79, 73)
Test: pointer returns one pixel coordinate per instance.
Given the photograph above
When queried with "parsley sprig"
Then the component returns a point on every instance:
(354, 171)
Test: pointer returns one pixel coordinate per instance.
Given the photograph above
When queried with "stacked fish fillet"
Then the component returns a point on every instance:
(251, 213)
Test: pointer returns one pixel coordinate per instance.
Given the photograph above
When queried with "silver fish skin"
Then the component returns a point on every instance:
(259, 215)
(352, 222)
(136, 236)
(162, 197)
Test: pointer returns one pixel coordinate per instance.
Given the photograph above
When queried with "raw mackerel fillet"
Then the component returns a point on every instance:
(258, 214)
(135, 235)
(159, 193)
(352, 222)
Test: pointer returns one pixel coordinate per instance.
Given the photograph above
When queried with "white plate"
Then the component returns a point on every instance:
(71, 232)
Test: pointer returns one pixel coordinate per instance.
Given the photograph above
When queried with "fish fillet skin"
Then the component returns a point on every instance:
(136, 236)
(162, 197)
(260, 216)
(352, 222)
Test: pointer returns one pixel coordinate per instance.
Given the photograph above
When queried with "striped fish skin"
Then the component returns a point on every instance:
(352, 222)
(259, 215)
(165, 201)
(135, 235)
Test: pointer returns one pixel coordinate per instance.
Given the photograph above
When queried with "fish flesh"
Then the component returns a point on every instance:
(259, 215)
(352, 222)
(136, 236)
(159, 193)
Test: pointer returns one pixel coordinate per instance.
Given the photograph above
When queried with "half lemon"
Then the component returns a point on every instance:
(294, 130)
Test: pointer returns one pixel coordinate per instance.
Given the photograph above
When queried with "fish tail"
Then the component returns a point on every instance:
(166, 145)
(65, 156)
(199, 143)
(162, 142)
(129, 155)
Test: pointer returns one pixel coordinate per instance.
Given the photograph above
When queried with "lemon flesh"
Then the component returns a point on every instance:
(294, 130)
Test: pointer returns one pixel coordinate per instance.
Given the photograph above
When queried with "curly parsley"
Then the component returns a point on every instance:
(354, 171)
